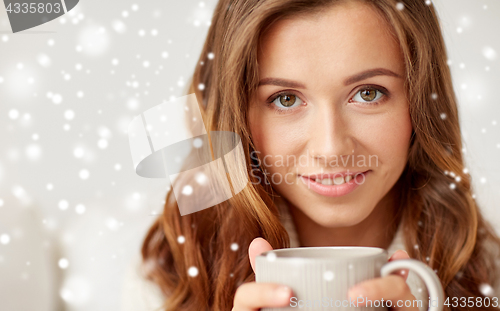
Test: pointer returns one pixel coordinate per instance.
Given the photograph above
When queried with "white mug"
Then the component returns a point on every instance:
(321, 276)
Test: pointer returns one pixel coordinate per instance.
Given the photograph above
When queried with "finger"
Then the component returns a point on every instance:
(391, 287)
(252, 296)
(400, 254)
(257, 247)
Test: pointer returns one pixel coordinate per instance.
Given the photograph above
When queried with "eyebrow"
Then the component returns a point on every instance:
(350, 80)
(370, 73)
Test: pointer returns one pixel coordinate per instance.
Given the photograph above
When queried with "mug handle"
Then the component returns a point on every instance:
(429, 277)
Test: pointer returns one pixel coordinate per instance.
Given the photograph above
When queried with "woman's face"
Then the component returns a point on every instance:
(331, 100)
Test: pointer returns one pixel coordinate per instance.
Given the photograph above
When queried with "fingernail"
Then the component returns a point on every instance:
(357, 291)
(282, 293)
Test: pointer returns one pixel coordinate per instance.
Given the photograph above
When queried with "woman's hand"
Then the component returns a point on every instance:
(252, 296)
(392, 287)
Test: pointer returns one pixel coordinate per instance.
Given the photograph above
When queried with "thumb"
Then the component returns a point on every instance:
(257, 247)
(400, 254)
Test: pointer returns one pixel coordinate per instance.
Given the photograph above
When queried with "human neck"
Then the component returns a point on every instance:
(377, 230)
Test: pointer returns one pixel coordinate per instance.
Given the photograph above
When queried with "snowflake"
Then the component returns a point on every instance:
(63, 263)
(486, 289)
(4, 239)
(271, 256)
(192, 271)
(328, 275)
(187, 190)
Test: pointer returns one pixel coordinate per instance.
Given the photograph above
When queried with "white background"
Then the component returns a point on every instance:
(94, 62)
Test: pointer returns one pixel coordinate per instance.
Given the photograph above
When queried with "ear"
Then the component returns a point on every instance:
(257, 247)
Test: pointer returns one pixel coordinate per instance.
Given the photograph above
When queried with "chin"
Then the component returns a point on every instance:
(334, 216)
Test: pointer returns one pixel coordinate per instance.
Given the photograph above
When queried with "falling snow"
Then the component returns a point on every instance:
(13, 114)
(69, 114)
(56, 99)
(44, 60)
(201, 178)
(63, 205)
(271, 256)
(119, 26)
(84, 174)
(102, 143)
(68, 102)
(187, 190)
(33, 152)
(197, 142)
(486, 290)
(489, 53)
(78, 152)
(4, 239)
(63, 263)
(328, 276)
(192, 271)
(80, 209)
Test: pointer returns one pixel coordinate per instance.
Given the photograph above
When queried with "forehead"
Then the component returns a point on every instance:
(347, 37)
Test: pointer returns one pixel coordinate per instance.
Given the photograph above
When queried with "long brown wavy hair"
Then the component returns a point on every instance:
(446, 224)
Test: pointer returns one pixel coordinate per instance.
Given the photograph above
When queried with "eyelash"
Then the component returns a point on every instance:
(271, 105)
(378, 88)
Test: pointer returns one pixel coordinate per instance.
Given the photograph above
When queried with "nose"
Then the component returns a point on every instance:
(331, 136)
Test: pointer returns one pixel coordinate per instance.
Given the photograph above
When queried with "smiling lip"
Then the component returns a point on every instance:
(332, 175)
(334, 190)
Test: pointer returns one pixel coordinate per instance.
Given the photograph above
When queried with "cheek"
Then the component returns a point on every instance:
(388, 137)
(274, 138)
